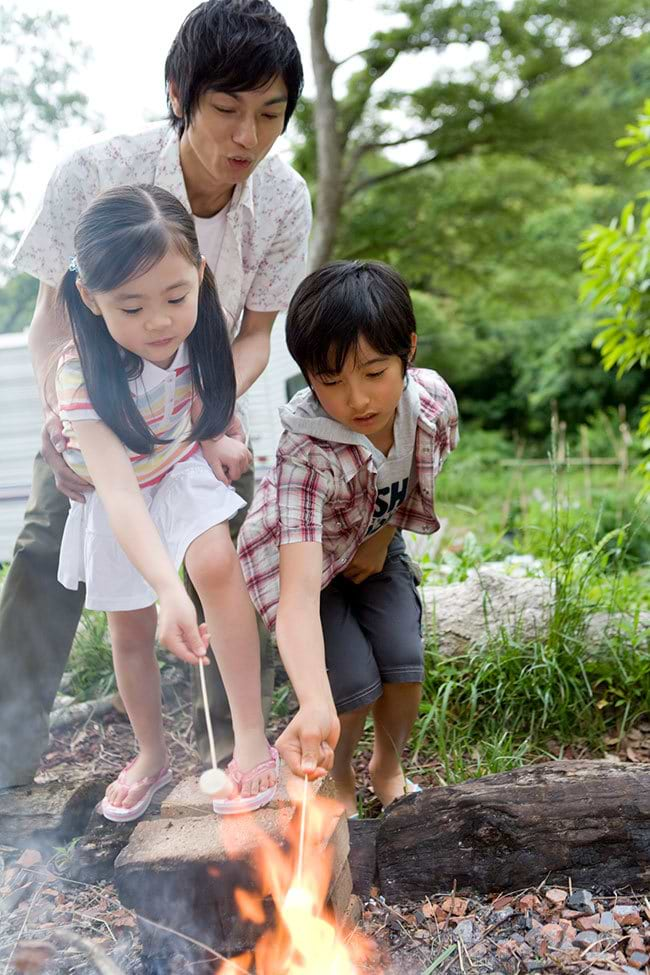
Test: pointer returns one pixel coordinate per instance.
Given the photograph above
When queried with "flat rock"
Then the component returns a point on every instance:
(209, 877)
(47, 814)
(186, 801)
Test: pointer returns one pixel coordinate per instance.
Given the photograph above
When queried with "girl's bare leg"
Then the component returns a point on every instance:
(138, 681)
(214, 569)
(394, 714)
(352, 725)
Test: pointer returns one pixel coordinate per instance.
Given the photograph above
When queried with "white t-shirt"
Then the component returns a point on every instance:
(396, 470)
(210, 232)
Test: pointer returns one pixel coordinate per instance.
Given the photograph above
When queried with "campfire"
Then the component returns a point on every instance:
(305, 937)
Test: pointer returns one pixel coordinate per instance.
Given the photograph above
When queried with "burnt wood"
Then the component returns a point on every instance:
(584, 820)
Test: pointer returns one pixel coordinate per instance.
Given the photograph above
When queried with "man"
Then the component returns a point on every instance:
(233, 77)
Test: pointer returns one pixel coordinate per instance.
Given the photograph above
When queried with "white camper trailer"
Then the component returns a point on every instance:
(20, 422)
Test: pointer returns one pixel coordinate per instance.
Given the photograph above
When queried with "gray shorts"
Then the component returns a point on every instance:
(373, 631)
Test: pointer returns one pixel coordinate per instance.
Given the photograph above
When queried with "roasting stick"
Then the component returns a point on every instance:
(213, 782)
(206, 711)
(303, 823)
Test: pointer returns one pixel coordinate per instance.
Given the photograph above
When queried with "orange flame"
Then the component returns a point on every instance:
(306, 939)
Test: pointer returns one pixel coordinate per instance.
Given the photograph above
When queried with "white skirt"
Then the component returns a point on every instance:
(187, 502)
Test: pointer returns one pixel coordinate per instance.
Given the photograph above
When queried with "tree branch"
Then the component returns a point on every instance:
(371, 146)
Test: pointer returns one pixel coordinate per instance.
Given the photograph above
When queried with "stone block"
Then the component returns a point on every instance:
(186, 800)
(184, 871)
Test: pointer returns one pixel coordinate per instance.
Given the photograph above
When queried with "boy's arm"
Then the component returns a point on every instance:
(116, 484)
(307, 745)
(370, 557)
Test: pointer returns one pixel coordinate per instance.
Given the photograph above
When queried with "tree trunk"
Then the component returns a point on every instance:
(329, 188)
(584, 820)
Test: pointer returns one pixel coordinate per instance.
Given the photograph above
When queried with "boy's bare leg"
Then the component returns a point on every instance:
(394, 714)
(138, 681)
(214, 568)
(352, 725)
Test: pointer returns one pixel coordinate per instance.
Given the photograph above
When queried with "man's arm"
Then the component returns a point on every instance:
(308, 743)
(252, 346)
(48, 333)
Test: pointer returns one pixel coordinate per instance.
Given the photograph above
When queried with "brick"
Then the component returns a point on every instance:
(556, 896)
(340, 894)
(187, 801)
(588, 922)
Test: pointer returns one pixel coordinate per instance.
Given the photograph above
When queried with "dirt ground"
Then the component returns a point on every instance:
(50, 922)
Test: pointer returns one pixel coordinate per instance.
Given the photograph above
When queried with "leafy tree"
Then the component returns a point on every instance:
(616, 268)
(37, 59)
(17, 302)
(536, 90)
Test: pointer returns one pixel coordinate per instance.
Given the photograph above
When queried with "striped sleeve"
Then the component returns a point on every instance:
(71, 393)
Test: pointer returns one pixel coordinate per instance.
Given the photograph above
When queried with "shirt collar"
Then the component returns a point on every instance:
(152, 375)
(169, 176)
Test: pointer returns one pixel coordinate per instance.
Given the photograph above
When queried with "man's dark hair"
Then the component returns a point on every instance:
(340, 303)
(231, 46)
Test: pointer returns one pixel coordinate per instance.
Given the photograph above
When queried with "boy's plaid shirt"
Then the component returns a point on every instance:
(320, 491)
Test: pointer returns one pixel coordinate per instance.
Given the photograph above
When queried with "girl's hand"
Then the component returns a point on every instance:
(229, 458)
(178, 629)
(307, 744)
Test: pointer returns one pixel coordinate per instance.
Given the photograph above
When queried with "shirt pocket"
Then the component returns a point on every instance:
(343, 519)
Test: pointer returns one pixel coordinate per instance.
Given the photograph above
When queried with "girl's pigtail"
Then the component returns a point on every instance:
(211, 362)
(106, 370)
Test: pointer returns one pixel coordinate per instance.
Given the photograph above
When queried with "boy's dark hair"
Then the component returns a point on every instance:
(121, 235)
(231, 46)
(341, 302)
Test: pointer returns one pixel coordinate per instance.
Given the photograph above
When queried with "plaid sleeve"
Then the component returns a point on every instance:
(71, 393)
(302, 492)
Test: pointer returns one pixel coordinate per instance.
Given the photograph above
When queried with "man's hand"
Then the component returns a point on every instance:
(370, 557)
(228, 458)
(307, 744)
(53, 443)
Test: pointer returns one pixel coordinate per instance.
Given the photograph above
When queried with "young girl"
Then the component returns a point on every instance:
(321, 548)
(149, 379)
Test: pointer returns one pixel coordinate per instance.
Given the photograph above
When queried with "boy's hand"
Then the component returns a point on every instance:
(228, 457)
(178, 629)
(307, 744)
(370, 557)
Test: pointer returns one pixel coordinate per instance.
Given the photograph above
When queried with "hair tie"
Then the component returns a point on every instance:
(73, 266)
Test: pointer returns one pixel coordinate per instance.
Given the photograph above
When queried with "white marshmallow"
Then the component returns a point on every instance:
(214, 782)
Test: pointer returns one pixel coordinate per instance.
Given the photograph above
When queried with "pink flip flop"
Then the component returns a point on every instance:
(230, 807)
(120, 814)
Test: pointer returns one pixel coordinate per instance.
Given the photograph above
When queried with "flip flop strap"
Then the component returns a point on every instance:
(147, 780)
(240, 778)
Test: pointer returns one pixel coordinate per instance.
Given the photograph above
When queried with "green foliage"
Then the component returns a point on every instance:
(616, 270)
(91, 661)
(497, 707)
(17, 300)
(36, 63)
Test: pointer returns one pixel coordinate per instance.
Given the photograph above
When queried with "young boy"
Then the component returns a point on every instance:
(321, 548)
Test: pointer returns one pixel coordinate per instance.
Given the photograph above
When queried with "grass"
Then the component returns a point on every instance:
(91, 661)
(498, 707)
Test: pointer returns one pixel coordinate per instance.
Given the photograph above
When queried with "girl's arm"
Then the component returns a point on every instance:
(307, 745)
(117, 486)
(228, 455)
